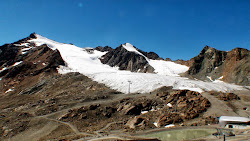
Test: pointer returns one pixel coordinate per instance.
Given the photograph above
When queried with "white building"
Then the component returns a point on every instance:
(234, 122)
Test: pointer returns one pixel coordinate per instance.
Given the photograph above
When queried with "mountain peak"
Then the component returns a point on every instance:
(33, 35)
(129, 47)
(128, 44)
(207, 49)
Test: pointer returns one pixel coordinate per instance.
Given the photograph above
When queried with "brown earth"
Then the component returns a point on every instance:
(72, 106)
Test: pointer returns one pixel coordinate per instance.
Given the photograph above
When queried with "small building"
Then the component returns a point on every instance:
(234, 122)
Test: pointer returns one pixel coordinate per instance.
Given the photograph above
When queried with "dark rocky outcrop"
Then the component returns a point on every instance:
(150, 55)
(212, 63)
(18, 67)
(103, 49)
(126, 60)
(208, 59)
(24, 40)
(38, 59)
(8, 54)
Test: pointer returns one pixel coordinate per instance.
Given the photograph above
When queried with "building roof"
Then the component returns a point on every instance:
(232, 119)
(236, 119)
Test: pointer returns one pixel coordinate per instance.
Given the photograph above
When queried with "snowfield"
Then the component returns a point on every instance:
(166, 73)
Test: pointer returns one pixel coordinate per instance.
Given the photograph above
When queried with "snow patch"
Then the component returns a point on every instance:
(219, 80)
(9, 90)
(40, 40)
(22, 44)
(169, 105)
(153, 109)
(210, 78)
(221, 77)
(167, 67)
(144, 112)
(3, 69)
(169, 126)
(25, 50)
(155, 124)
(131, 48)
(17, 63)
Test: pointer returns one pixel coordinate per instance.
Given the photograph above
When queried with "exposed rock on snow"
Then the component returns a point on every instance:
(126, 57)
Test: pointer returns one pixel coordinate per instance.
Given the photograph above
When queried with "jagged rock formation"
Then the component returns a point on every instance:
(212, 64)
(10, 53)
(103, 49)
(150, 55)
(236, 67)
(21, 65)
(127, 60)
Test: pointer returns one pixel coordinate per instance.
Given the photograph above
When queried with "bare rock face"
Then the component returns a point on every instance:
(126, 60)
(185, 62)
(150, 55)
(103, 49)
(207, 61)
(17, 66)
(232, 66)
(236, 67)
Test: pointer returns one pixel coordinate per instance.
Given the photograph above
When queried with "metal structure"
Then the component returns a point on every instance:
(129, 82)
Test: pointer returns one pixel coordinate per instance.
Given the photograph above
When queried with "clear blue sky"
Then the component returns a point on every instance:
(177, 29)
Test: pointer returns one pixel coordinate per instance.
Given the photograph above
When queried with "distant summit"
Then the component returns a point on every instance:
(212, 64)
(127, 57)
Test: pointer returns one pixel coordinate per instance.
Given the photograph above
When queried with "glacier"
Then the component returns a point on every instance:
(80, 60)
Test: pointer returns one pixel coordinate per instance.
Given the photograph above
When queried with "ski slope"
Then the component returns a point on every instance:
(166, 73)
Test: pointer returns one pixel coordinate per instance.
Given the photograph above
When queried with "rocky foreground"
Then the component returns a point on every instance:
(72, 106)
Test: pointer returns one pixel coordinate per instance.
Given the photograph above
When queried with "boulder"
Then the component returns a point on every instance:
(133, 110)
(169, 118)
(136, 122)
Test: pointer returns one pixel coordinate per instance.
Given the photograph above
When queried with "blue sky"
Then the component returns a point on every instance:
(177, 29)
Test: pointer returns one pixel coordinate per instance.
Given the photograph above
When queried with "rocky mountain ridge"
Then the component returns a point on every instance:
(212, 64)
(22, 65)
(209, 65)
(126, 60)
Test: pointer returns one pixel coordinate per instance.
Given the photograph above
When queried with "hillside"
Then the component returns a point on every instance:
(57, 91)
